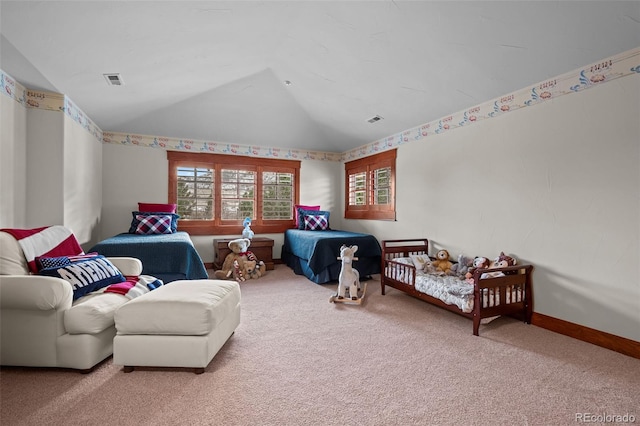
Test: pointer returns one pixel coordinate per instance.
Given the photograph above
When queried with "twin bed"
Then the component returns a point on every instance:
(314, 254)
(169, 257)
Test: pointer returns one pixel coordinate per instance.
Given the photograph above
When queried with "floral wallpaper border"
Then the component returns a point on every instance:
(176, 144)
(49, 101)
(624, 64)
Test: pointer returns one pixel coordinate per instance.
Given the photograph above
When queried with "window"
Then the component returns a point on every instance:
(370, 187)
(214, 193)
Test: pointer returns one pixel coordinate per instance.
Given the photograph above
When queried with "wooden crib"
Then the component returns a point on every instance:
(510, 294)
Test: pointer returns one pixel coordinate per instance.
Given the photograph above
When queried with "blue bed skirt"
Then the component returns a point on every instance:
(314, 254)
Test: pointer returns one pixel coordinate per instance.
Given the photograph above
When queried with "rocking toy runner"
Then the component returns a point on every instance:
(349, 279)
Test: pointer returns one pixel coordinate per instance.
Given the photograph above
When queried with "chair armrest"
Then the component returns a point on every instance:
(34, 292)
(127, 265)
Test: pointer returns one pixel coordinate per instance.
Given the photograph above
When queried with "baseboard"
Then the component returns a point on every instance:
(600, 338)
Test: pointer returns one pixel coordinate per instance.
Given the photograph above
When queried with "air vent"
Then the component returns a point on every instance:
(374, 119)
(114, 79)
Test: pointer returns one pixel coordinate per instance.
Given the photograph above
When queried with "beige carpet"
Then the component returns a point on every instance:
(297, 359)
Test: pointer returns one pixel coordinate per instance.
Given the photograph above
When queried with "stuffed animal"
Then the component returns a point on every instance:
(349, 277)
(423, 262)
(247, 232)
(254, 269)
(478, 263)
(481, 262)
(240, 273)
(428, 268)
(461, 268)
(234, 262)
(442, 262)
(501, 261)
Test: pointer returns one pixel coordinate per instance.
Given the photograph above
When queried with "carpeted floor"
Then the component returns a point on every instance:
(297, 359)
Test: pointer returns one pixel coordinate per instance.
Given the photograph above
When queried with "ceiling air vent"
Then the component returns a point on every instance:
(114, 79)
(374, 119)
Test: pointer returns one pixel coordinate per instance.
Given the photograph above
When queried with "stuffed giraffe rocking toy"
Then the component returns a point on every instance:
(349, 278)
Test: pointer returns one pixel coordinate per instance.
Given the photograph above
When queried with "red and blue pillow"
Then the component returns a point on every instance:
(151, 225)
(298, 216)
(86, 275)
(44, 262)
(154, 224)
(316, 222)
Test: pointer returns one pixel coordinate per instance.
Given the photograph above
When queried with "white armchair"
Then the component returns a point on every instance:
(40, 323)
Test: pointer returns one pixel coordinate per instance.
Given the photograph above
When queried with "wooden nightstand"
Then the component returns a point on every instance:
(260, 246)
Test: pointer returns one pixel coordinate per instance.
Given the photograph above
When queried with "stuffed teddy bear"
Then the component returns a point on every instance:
(235, 260)
(442, 262)
(253, 269)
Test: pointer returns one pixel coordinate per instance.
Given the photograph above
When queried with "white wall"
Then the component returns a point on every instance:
(64, 175)
(82, 182)
(133, 174)
(45, 168)
(557, 185)
(130, 174)
(13, 161)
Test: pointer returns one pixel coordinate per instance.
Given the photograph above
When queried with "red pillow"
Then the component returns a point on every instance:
(301, 207)
(157, 208)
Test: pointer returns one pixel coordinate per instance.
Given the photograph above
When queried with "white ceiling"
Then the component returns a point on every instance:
(214, 70)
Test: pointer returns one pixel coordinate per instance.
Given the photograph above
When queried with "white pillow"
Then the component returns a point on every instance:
(419, 260)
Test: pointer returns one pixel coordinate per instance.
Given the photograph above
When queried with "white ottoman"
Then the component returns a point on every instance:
(181, 324)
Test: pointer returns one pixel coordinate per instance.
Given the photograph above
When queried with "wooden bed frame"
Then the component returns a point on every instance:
(520, 280)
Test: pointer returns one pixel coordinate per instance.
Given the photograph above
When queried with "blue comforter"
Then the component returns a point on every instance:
(169, 257)
(315, 253)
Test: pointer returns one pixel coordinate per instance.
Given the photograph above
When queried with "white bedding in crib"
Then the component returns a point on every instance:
(449, 289)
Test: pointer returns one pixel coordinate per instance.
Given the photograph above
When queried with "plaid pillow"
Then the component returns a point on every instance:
(315, 223)
(154, 224)
(303, 213)
(136, 221)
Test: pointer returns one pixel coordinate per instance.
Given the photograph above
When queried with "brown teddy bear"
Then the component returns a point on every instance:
(234, 262)
(253, 269)
(442, 262)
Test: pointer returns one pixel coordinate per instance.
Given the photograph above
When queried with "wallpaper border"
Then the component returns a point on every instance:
(49, 101)
(177, 144)
(598, 73)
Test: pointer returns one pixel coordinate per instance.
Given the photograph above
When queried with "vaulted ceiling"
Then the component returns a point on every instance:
(217, 70)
